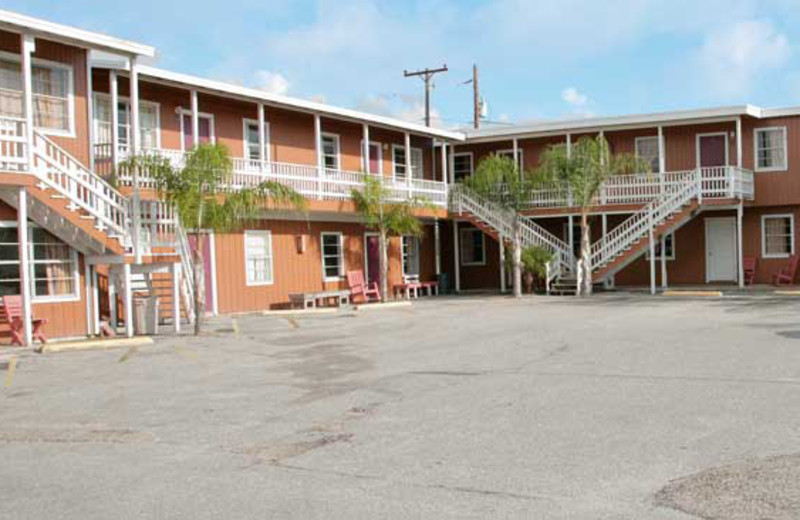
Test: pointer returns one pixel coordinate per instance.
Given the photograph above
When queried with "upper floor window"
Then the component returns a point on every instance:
(777, 236)
(462, 165)
(770, 151)
(258, 257)
(53, 106)
(149, 122)
(399, 162)
(330, 152)
(251, 140)
(647, 149)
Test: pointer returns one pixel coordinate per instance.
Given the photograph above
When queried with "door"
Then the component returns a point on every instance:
(203, 130)
(374, 158)
(712, 150)
(208, 269)
(721, 250)
(372, 252)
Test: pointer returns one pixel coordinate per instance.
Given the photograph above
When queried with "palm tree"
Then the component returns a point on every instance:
(581, 171)
(201, 192)
(389, 218)
(499, 180)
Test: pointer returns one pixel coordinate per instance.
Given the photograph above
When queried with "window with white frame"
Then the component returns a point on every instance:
(411, 256)
(770, 150)
(332, 256)
(330, 151)
(258, 257)
(669, 247)
(53, 107)
(149, 122)
(472, 247)
(647, 149)
(462, 165)
(53, 264)
(251, 140)
(777, 236)
(399, 162)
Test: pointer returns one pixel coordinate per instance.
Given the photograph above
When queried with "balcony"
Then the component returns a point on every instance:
(308, 180)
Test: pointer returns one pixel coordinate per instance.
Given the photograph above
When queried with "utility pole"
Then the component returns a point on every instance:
(426, 75)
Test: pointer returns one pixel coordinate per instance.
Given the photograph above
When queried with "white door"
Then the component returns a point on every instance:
(721, 250)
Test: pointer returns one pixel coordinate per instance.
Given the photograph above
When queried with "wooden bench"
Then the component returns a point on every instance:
(311, 300)
(12, 307)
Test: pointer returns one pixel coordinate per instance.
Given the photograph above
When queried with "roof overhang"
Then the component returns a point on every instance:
(21, 23)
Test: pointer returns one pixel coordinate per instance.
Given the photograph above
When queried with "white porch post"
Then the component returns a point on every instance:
(652, 257)
(175, 270)
(195, 118)
(87, 287)
(408, 162)
(502, 264)
(134, 145)
(444, 162)
(451, 164)
(457, 267)
(112, 299)
(90, 109)
(662, 158)
(515, 151)
(24, 266)
(740, 259)
(28, 45)
(262, 135)
(95, 301)
(127, 299)
(437, 247)
(114, 87)
(318, 147)
(664, 261)
(570, 232)
(365, 147)
(739, 141)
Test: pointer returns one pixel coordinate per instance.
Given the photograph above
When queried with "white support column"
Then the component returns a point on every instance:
(408, 162)
(24, 266)
(515, 152)
(608, 282)
(437, 246)
(739, 141)
(365, 147)
(451, 162)
(570, 232)
(456, 260)
(664, 261)
(433, 158)
(95, 302)
(195, 104)
(28, 45)
(652, 257)
(262, 134)
(318, 148)
(662, 158)
(605, 225)
(444, 162)
(90, 109)
(740, 255)
(134, 146)
(502, 265)
(114, 87)
(112, 300)
(175, 269)
(87, 287)
(127, 299)
(569, 145)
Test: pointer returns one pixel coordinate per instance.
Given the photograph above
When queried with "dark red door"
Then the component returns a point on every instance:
(713, 151)
(374, 158)
(207, 271)
(373, 259)
(203, 131)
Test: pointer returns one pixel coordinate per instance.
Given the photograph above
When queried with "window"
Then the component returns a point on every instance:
(777, 236)
(258, 257)
(330, 151)
(332, 256)
(399, 162)
(462, 165)
(411, 256)
(251, 140)
(52, 93)
(770, 146)
(669, 243)
(647, 150)
(53, 267)
(473, 247)
(149, 122)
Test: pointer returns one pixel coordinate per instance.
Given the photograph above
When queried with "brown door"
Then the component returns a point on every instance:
(203, 131)
(373, 246)
(713, 150)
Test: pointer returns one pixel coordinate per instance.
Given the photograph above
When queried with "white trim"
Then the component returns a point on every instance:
(341, 256)
(471, 161)
(471, 229)
(764, 218)
(200, 115)
(126, 100)
(380, 155)
(706, 222)
(711, 134)
(265, 233)
(338, 143)
(39, 62)
(245, 152)
(780, 168)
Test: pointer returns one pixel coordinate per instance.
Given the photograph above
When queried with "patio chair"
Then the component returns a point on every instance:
(749, 265)
(12, 307)
(785, 276)
(359, 287)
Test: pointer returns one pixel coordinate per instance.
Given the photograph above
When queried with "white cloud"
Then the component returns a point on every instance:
(732, 57)
(406, 107)
(272, 82)
(574, 98)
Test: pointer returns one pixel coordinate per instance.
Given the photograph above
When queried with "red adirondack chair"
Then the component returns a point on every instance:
(12, 306)
(360, 289)
(786, 275)
(749, 265)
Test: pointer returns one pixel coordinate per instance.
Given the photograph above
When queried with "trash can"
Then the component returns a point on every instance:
(444, 283)
(145, 316)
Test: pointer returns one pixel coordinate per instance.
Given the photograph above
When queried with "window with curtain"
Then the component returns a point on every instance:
(258, 257)
(330, 151)
(53, 267)
(770, 149)
(647, 150)
(472, 247)
(777, 236)
(148, 122)
(52, 94)
(411, 256)
(399, 162)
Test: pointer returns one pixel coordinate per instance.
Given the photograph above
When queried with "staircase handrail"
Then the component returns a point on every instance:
(187, 266)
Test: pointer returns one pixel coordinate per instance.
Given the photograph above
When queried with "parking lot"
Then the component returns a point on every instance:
(617, 406)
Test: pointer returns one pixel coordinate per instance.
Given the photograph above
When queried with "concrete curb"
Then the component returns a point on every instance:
(716, 294)
(379, 306)
(93, 344)
(303, 312)
(787, 293)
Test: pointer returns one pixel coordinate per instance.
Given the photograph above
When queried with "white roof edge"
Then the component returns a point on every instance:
(611, 121)
(301, 104)
(44, 27)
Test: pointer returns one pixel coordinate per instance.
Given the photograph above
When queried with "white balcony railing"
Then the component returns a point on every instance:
(308, 180)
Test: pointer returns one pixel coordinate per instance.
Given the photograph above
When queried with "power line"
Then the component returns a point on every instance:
(426, 75)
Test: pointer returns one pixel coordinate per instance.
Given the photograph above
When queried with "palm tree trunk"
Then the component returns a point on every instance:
(384, 263)
(586, 254)
(199, 282)
(517, 255)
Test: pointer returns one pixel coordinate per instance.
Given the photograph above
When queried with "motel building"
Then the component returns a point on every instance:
(79, 241)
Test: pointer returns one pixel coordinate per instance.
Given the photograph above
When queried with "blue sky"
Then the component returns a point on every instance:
(538, 59)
